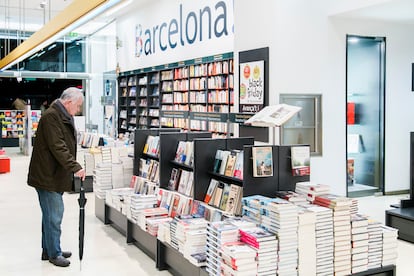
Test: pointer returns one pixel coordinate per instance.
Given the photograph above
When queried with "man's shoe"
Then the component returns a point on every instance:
(60, 261)
(65, 254)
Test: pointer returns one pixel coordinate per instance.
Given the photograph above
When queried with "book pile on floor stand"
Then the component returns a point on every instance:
(359, 242)
(169, 237)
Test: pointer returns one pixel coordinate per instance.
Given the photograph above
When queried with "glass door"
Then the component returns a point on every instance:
(365, 84)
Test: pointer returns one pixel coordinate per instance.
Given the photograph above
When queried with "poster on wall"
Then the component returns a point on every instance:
(251, 90)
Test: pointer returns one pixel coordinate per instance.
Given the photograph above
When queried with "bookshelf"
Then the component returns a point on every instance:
(127, 104)
(13, 126)
(167, 95)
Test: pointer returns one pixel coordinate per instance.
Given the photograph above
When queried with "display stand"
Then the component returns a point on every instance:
(165, 256)
(144, 241)
(402, 217)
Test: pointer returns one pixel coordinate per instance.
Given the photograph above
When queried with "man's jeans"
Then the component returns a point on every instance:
(51, 204)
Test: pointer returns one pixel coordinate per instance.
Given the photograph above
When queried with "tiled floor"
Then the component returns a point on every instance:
(106, 252)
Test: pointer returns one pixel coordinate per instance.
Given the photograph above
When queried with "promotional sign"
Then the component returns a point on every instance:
(251, 90)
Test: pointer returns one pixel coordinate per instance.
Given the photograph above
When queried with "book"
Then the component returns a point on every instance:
(224, 197)
(273, 115)
(233, 198)
(238, 166)
(300, 156)
(224, 156)
(217, 161)
(231, 162)
(262, 161)
(210, 190)
(174, 179)
(217, 194)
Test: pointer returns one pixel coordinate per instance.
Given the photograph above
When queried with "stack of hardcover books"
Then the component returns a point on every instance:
(374, 244)
(191, 235)
(306, 241)
(389, 245)
(154, 222)
(359, 251)
(281, 218)
(150, 213)
(238, 258)
(140, 202)
(324, 240)
(265, 244)
(102, 179)
(311, 190)
(341, 207)
(218, 233)
(251, 208)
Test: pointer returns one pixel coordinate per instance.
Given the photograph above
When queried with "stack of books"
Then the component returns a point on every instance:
(238, 258)
(265, 244)
(127, 169)
(119, 199)
(252, 206)
(374, 244)
(311, 190)
(359, 251)
(118, 176)
(150, 213)
(163, 234)
(341, 207)
(140, 202)
(298, 199)
(154, 222)
(389, 245)
(218, 233)
(354, 206)
(191, 234)
(324, 240)
(106, 155)
(306, 241)
(102, 179)
(281, 218)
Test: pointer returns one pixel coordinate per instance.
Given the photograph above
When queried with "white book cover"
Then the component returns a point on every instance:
(273, 115)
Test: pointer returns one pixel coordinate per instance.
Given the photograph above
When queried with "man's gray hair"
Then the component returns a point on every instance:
(71, 93)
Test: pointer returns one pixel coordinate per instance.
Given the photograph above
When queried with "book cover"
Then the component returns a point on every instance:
(238, 166)
(217, 161)
(210, 190)
(225, 155)
(231, 162)
(273, 115)
(262, 161)
(217, 195)
(180, 152)
(300, 156)
(234, 195)
(224, 197)
(174, 179)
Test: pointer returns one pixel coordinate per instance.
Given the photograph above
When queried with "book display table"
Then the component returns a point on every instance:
(4, 164)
